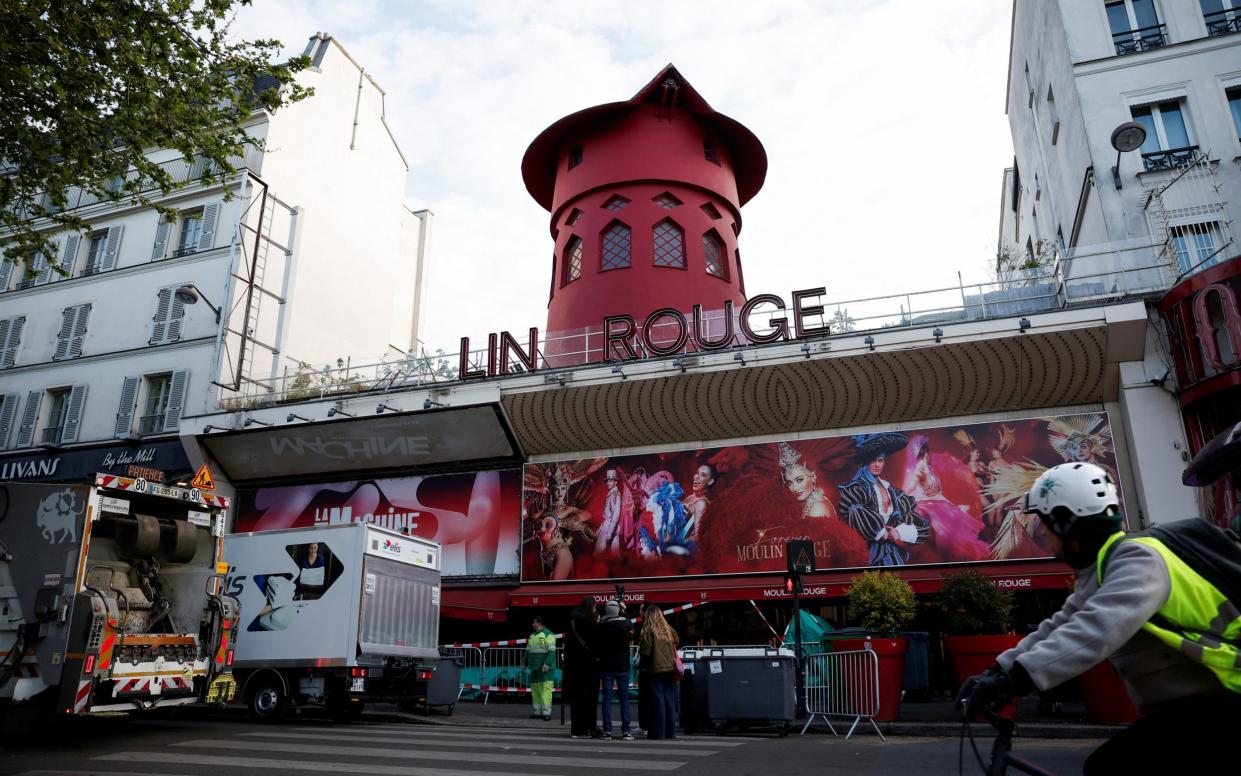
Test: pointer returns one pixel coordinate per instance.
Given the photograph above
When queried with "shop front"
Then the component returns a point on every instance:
(153, 461)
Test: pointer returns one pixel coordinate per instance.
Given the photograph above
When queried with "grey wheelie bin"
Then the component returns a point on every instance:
(738, 687)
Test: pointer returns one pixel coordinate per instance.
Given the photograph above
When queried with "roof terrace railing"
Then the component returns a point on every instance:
(1095, 275)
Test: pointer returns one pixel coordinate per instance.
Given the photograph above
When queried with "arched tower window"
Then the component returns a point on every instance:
(615, 247)
(716, 255)
(669, 240)
(572, 260)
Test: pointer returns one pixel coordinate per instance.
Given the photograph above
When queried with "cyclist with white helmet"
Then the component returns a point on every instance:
(1171, 635)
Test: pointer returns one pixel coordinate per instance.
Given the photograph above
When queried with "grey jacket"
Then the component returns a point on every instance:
(1097, 622)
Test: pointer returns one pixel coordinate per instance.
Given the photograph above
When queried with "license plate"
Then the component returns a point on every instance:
(358, 685)
(222, 689)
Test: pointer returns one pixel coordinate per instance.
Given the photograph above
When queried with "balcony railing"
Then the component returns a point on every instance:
(151, 424)
(1223, 22)
(1141, 39)
(52, 435)
(1102, 274)
(1172, 159)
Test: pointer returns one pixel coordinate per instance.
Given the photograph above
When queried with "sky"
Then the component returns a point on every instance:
(883, 122)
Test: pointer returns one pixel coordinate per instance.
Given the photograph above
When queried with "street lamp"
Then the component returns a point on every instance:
(190, 294)
(1127, 137)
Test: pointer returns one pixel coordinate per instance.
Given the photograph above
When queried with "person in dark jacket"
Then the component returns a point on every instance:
(614, 666)
(581, 669)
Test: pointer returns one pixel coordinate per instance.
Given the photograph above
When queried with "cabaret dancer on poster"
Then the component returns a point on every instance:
(696, 502)
(882, 514)
(760, 488)
(670, 523)
(555, 493)
(803, 483)
(954, 528)
(611, 532)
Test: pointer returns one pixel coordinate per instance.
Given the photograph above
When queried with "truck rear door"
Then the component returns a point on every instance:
(400, 610)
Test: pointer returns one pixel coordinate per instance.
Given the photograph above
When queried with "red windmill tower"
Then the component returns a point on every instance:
(645, 199)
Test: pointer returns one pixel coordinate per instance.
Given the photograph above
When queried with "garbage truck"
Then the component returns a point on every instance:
(112, 597)
(336, 616)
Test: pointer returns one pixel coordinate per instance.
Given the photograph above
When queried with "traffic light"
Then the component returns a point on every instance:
(793, 584)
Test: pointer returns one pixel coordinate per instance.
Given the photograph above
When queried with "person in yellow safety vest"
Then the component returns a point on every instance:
(1171, 635)
(541, 660)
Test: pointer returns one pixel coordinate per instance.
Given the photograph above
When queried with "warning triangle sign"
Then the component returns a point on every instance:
(203, 479)
(803, 558)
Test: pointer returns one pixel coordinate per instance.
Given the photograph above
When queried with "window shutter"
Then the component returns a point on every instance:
(159, 330)
(161, 239)
(6, 274)
(69, 256)
(79, 330)
(30, 416)
(206, 237)
(176, 400)
(63, 336)
(173, 334)
(73, 413)
(42, 269)
(10, 340)
(8, 410)
(111, 248)
(125, 412)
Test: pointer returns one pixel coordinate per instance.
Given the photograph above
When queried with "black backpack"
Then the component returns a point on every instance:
(1210, 551)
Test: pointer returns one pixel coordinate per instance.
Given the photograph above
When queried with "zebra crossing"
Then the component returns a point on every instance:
(399, 750)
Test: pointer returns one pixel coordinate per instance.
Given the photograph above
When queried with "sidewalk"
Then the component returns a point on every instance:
(934, 718)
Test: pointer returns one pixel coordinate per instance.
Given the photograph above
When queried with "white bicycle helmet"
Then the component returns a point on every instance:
(1075, 495)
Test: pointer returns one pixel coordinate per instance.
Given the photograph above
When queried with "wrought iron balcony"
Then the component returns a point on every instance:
(1223, 22)
(53, 434)
(151, 424)
(27, 283)
(184, 251)
(1141, 39)
(91, 269)
(1172, 159)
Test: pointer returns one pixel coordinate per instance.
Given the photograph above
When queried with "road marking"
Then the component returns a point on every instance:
(714, 741)
(436, 754)
(285, 765)
(541, 744)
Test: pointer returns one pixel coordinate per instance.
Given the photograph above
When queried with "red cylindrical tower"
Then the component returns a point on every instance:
(645, 199)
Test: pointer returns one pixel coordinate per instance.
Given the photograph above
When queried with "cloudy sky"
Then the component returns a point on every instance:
(883, 122)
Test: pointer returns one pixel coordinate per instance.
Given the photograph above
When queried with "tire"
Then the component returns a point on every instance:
(266, 702)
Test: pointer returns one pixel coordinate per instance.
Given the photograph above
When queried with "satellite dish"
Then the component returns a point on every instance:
(186, 295)
(1128, 136)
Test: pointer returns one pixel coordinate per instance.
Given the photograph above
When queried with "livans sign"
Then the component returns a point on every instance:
(663, 332)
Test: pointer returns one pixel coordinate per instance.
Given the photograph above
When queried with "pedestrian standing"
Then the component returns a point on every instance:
(541, 662)
(614, 644)
(581, 669)
(657, 649)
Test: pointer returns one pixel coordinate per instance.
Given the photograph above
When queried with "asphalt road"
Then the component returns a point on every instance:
(215, 745)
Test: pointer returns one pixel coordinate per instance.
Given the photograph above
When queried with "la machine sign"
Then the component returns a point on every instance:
(665, 332)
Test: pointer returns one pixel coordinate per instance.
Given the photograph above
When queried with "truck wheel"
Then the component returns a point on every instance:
(267, 702)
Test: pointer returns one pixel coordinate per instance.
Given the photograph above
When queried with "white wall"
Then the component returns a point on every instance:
(357, 265)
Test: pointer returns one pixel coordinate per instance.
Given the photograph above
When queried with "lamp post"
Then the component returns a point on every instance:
(1127, 137)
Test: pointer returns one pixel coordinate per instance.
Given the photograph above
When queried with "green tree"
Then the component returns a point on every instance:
(89, 87)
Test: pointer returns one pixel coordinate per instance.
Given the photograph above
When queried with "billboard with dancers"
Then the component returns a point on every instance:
(949, 494)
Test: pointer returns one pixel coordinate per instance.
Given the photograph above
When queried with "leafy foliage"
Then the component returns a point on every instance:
(972, 606)
(91, 86)
(881, 601)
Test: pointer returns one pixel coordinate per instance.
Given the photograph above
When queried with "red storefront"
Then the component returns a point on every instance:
(1203, 319)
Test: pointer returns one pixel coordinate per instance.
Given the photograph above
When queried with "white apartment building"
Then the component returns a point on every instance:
(1078, 69)
(307, 254)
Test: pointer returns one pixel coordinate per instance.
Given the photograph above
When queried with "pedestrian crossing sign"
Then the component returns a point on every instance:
(203, 479)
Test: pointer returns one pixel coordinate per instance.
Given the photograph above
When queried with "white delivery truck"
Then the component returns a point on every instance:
(111, 597)
(335, 616)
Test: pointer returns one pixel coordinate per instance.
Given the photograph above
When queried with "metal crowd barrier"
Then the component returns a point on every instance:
(842, 684)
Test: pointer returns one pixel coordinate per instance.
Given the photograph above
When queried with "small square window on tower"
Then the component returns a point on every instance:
(574, 216)
(708, 151)
(712, 212)
(615, 203)
(666, 201)
(575, 156)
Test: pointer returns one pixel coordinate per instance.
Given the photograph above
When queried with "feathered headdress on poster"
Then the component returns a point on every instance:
(1011, 481)
(1061, 432)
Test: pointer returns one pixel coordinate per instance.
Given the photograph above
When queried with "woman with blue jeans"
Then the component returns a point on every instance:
(657, 649)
